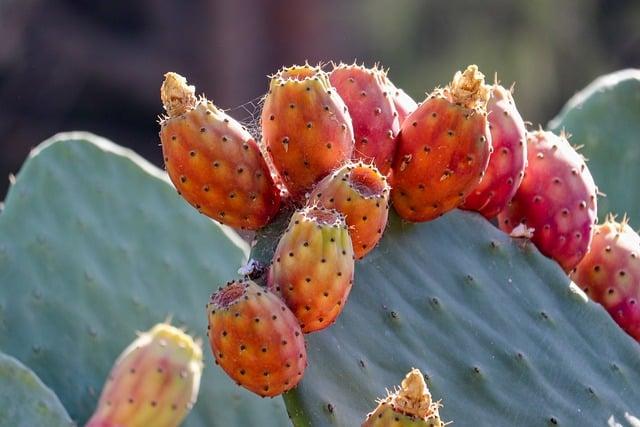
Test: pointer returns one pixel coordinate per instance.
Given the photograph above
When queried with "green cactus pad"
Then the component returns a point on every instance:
(25, 401)
(605, 118)
(501, 336)
(95, 245)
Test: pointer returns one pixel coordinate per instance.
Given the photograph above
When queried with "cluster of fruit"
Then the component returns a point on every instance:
(338, 148)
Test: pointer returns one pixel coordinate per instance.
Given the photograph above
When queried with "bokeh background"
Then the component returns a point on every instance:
(97, 65)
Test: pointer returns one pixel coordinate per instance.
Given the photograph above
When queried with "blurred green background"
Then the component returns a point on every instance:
(98, 65)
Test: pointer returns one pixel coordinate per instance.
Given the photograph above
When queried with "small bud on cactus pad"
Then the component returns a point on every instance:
(405, 105)
(375, 119)
(213, 161)
(410, 405)
(256, 339)
(610, 273)
(443, 149)
(154, 382)
(557, 199)
(312, 267)
(360, 193)
(306, 127)
(507, 162)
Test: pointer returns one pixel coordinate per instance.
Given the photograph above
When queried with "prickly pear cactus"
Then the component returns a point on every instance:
(25, 401)
(94, 246)
(495, 327)
(605, 118)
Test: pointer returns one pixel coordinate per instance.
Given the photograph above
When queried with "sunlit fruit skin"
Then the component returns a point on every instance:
(361, 193)
(557, 199)
(216, 165)
(443, 150)
(154, 382)
(373, 114)
(306, 128)
(410, 405)
(610, 273)
(508, 159)
(404, 104)
(256, 339)
(312, 267)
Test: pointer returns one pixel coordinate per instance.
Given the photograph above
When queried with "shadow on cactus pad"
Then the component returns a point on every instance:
(96, 245)
(501, 336)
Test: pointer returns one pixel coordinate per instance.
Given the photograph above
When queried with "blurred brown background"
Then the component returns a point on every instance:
(97, 65)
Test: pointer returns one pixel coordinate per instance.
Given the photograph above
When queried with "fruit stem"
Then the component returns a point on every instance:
(177, 96)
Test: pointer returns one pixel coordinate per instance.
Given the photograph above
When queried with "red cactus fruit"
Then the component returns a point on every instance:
(306, 127)
(155, 381)
(213, 161)
(256, 339)
(557, 198)
(610, 273)
(405, 105)
(374, 117)
(409, 405)
(507, 162)
(360, 193)
(312, 267)
(443, 149)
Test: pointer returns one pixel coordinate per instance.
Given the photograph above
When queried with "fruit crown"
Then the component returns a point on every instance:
(177, 96)
(323, 216)
(467, 89)
(378, 73)
(299, 74)
(413, 397)
(165, 333)
(228, 295)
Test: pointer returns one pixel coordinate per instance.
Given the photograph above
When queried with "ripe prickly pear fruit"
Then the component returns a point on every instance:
(312, 267)
(306, 127)
(155, 381)
(405, 105)
(507, 162)
(610, 273)
(557, 199)
(213, 161)
(256, 339)
(360, 193)
(374, 117)
(443, 149)
(410, 405)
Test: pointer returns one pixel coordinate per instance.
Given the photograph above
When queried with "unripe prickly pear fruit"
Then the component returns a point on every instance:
(306, 127)
(374, 117)
(443, 149)
(508, 160)
(256, 339)
(154, 382)
(312, 267)
(405, 105)
(360, 193)
(557, 199)
(610, 273)
(410, 405)
(213, 161)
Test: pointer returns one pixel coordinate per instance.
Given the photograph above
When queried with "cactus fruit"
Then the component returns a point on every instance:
(306, 127)
(557, 198)
(507, 162)
(360, 193)
(610, 273)
(405, 105)
(312, 267)
(374, 117)
(155, 381)
(443, 149)
(213, 161)
(409, 405)
(256, 339)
